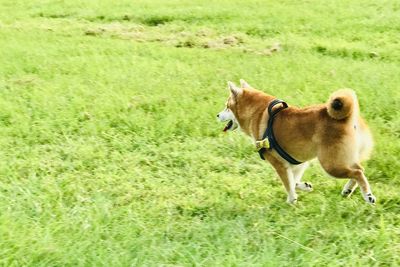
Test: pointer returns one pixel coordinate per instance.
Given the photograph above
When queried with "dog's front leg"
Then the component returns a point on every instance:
(298, 171)
(288, 180)
(286, 174)
(292, 195)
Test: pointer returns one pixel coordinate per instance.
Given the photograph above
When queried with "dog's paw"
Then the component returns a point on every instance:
(291, 200)
(304, 186)
(370, 198)
(347, 192)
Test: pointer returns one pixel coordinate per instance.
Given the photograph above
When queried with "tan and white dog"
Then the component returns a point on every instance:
(333, 132)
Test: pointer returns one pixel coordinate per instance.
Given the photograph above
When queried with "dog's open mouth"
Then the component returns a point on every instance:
(228, 126)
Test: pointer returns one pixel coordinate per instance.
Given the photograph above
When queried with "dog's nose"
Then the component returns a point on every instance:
(217, 115)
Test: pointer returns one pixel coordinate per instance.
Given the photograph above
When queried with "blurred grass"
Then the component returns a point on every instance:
(111, 155)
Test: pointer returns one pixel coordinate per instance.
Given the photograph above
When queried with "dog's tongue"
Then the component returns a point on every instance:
(229, 125)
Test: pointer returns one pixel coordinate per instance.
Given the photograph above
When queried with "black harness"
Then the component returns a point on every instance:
(269, 133)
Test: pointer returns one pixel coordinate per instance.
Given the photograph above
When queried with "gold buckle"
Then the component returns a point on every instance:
(262, 144)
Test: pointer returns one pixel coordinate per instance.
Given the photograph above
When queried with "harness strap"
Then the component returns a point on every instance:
(269, 133)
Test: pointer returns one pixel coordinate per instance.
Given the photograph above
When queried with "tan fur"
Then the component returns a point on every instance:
(349, 101)
(339, 139)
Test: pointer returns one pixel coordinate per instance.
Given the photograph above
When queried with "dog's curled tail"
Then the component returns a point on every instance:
(342, 104)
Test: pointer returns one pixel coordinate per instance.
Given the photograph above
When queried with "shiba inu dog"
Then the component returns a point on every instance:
(333, 132)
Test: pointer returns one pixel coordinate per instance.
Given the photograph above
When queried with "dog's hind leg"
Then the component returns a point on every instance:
(355, 172)
(298, 171)
(358, 175)
(349, 188)
(362, 181)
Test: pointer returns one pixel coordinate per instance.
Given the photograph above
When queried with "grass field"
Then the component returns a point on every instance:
(111, 154)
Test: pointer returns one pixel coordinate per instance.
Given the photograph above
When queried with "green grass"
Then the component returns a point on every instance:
(111, 154)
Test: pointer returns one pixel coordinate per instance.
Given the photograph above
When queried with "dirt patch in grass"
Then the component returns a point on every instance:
(174, 36)
(25, 80)
(160, 31)
(356, 54)
(53, 16)
(155, 29)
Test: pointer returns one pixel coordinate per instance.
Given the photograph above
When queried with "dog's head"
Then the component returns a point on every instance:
(228, 113)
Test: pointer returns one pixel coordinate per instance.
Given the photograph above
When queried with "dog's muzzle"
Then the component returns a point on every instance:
(227, 115)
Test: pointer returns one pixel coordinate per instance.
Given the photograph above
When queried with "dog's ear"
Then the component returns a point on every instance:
(234, 89)
(244, 84)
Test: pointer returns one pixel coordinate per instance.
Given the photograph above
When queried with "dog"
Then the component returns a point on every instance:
(333, 132)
